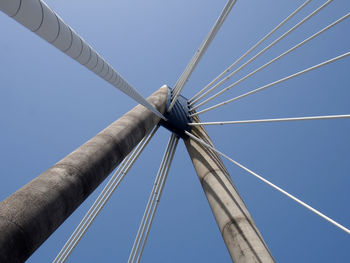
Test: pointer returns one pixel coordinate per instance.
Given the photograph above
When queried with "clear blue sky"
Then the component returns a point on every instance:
(50, 105)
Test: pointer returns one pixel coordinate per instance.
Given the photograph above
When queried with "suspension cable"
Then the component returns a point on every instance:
(103, 198)
(206, 41)
(153, 201)
(273, 60)
(272, 185)
(264, 50)
(200, 52)
(145, 216)
(273, 83)
(249, 51)
(158, 198)
(327, 117)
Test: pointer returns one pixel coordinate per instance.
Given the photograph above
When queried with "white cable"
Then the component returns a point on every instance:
(249, 51)
(145, 217)
(103, 198)
(200, 52)
(264, 50)
(153, 201)
(272, 185)
(158, 197)
(153, 196)
(40, 19)
(273, 60)
(272, 120)
(273, 83)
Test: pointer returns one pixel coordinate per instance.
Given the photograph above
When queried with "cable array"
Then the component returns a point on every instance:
(272, 84)
(273, 60)
(259, 54)
(153, 201)
(194, 99)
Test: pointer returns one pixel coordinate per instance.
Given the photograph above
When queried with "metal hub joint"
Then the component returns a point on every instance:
(178, 118)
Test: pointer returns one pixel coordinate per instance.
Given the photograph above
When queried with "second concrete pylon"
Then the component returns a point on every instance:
(242, 238)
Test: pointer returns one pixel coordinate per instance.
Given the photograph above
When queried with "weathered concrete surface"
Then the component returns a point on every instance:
(241, 236)
(30, 215)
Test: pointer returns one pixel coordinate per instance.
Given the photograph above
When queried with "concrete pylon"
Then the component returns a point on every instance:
(242, 238)
(30, 215)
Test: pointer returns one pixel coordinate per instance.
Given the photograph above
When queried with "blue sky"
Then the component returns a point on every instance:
(50, 105)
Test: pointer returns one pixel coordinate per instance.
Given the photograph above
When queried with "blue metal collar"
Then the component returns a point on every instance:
(178, 118)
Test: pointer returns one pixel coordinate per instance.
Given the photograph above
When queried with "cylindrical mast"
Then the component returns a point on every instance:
(30, 215)
(241, 236)
(40, 19)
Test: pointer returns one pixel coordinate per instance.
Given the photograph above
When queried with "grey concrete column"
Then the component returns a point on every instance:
(241, 236)
(30, 215)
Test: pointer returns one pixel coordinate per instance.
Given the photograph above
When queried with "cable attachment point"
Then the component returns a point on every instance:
(179, 116)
